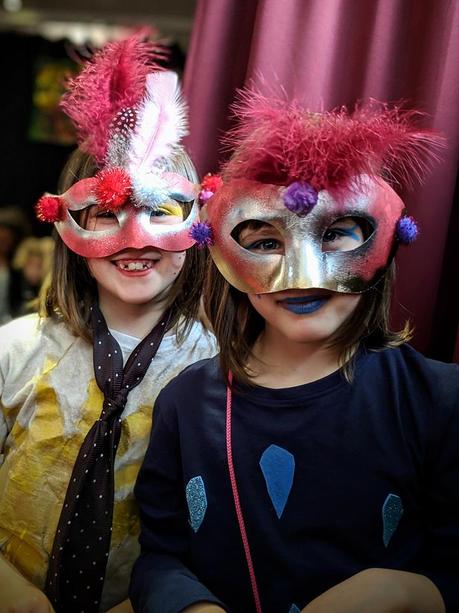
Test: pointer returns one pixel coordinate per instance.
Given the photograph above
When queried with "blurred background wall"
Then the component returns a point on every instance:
(39, 43)
(325, 52)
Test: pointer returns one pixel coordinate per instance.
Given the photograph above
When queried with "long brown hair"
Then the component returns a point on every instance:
(70, 290)
(237, 325)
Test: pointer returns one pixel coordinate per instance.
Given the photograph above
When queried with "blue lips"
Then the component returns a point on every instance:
(302, 305)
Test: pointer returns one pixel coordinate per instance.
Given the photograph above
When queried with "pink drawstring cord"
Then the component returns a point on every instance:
(237, 504)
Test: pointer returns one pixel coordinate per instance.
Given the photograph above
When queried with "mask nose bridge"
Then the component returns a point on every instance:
(132, 229)
(302, 262)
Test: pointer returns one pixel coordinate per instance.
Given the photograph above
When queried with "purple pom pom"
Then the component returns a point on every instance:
(407, 230)
(300, 198)
(201, 232)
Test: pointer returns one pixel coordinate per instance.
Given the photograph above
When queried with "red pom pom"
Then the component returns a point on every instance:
(211, 183)
(113, 188)
(49, 208)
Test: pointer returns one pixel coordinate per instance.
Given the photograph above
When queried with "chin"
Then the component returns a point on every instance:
(307, 331)
(139, 299)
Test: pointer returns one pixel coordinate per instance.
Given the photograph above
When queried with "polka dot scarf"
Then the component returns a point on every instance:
(81, 546)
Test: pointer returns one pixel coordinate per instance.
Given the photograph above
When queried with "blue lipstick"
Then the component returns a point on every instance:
(302, 305)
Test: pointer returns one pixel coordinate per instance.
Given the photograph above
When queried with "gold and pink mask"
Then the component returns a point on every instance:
(130, 117)
(302, 173)
(303, 264)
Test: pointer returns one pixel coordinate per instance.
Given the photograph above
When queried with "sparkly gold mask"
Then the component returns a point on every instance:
(303, 264)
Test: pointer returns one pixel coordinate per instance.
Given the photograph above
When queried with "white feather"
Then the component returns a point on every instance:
(161, 122)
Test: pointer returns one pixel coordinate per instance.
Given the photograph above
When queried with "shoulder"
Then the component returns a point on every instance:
(196, 341)
(189, 392)
(199, 338)
(198, 376)
(406, 364)
(415, 384)
(20, 334)
(26, 336)
(22, 327)
(191, 398)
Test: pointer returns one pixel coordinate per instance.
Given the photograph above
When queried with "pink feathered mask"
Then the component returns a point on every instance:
(130, 117)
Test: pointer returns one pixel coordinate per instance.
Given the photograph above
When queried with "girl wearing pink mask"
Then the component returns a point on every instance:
(119, 319)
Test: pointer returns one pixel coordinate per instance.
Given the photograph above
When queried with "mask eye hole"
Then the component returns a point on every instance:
(258, 237)
(168, 213)
(97, 218)
(346, 234)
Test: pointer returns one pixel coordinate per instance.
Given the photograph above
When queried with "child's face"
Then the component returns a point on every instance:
(310, 315)
(136, 276)
(304, 262)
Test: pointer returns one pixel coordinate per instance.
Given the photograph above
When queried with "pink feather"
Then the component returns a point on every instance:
(112, 80)
(278, 142)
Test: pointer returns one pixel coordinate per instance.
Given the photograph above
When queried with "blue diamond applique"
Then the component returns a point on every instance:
(294, 609)
(278, 468)
(392, 511)
(197, 501)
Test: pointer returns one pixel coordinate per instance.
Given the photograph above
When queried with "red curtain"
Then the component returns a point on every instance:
(334, 52)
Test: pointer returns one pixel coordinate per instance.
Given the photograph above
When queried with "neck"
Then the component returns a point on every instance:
(133, 319)
(279, 362)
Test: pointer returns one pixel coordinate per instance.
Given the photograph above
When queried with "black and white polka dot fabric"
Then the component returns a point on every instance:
(81, 546)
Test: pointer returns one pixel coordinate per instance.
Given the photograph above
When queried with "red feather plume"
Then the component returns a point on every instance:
(276, 141)
(112, 80)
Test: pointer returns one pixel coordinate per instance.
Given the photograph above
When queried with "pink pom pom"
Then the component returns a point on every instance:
(209, 186)
(49, 209)
(211, 182)
(113, 188)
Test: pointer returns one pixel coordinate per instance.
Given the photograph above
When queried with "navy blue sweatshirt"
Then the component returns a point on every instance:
(333, 478)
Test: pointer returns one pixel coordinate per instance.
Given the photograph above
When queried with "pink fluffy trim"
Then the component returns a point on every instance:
(276, 141)
(112, 80)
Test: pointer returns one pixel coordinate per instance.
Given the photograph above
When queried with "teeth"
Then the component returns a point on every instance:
(134, 265)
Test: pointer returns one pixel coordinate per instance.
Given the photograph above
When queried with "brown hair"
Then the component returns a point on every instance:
(70, 290)
(237, 325)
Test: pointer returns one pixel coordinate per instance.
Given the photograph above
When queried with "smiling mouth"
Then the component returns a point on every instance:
(134, 265)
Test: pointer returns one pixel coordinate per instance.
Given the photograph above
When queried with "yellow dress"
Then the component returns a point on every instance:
(48, 401)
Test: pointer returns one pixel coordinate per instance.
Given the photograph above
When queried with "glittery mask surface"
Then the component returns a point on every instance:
(303, 264)
(135, 230)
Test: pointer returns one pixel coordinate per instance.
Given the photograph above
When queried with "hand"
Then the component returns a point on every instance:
(19, 595)
(380, 590)
(122, 607)
(28, 599)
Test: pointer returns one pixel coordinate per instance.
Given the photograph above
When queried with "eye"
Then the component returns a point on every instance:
(167, 209)
(265, 244)
(344, 234)
(105, 215)
(333, 234)
(159, 213)
(259, 236)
